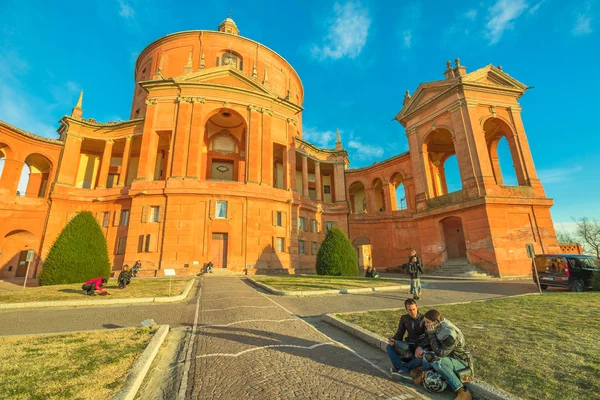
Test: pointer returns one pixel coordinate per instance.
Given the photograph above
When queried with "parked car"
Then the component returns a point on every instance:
(573, 271)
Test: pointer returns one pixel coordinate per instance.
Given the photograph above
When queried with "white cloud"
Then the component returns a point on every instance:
(583, 23)
(502, 16)
(323, 139)
(348, 33)
(125, 10)
(534, 9)
(568, 227)
(407, 36)
(557, 175)
(364, 151)
(17, 107)
(471, 14)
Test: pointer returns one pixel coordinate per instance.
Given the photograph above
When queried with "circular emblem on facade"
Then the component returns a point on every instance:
(222, 168)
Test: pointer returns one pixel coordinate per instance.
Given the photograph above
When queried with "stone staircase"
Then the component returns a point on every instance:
(460, 267)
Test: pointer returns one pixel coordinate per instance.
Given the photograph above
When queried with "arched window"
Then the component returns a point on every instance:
(232, 60)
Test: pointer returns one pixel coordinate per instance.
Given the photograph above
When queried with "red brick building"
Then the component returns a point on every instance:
(212, 167)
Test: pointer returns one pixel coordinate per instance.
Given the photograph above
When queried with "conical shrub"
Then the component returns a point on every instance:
(337, 256)
(79, 253)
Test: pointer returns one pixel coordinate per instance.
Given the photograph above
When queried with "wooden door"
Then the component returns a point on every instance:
(218, 250)
(22, 265)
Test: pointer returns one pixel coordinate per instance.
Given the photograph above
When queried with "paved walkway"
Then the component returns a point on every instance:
(248, 346)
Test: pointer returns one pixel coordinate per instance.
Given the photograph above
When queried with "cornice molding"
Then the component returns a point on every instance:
(151, 102)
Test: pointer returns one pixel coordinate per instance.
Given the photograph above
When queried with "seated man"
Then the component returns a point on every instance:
(95, 284)
(371, 273)
(209, 267)
(450, 353)
(124, 277)
(413, 324)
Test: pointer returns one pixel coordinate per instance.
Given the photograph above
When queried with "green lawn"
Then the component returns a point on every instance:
(90, 365)
(317, 282)
(137, 288)
(536, 347)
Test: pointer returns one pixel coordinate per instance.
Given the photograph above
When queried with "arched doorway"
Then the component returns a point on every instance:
(226, 146)
(454, 237)
(363, 251)
(16, 253)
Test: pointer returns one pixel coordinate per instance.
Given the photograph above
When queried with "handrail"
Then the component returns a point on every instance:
(436, 256)
(477, 255)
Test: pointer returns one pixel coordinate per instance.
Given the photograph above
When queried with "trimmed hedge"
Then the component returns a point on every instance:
(337, 256)
(80, 253)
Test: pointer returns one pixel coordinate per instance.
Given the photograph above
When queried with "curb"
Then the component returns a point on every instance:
(70, 303)
(142, 365)
(480, 390)
(328, 291)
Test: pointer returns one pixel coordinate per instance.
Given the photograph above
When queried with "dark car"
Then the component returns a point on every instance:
(573, 271)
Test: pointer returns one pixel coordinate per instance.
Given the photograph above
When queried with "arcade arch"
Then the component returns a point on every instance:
(35, 176)
(498, 136)
(13, 258)
(438, 148)
(397, 181)
(378, 196)
(358, 198)
(364, 252)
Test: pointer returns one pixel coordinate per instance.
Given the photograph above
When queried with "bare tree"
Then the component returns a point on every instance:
(589, 232)
(565, 236)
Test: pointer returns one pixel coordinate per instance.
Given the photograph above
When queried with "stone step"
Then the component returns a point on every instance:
(223, 272)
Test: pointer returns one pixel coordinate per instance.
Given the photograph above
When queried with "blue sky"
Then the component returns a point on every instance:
(355, 60)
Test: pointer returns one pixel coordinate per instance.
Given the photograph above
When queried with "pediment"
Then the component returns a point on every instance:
(424, 94)
(493, 76)
(224, 76)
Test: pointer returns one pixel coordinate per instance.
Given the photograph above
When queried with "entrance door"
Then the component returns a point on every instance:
(22, 265)
(454, 237)
(218, 250)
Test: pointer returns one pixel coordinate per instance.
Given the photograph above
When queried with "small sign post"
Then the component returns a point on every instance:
(170, 273)
(531, 254)
(29, 259)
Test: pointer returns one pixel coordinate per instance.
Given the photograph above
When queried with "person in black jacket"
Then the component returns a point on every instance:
(413, 325)
(124, 278)
(415, 269)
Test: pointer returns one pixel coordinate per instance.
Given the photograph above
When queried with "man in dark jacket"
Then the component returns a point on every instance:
(413, 325)
(124, 277)
(415, 269)
(451, 354)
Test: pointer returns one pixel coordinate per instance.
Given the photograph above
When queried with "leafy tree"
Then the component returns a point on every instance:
(337, 256)
(79, 253)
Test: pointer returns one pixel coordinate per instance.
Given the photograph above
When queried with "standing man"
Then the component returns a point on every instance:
(450, 353)
(409, 353)
(415, 269)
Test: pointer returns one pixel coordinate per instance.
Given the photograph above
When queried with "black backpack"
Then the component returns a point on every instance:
(412, 268)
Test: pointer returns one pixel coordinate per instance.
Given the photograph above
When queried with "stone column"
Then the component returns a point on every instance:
(493, 149)
(389, 197)
(9, 182)
(267, 148)
(304, 176)
(125, 162)
(69, 165)
(253, 152)
(34, 185)
(522, 145)
(179, 158)
(338, 178)
(196, 161)
(105, 164)
(318, 181)
(149, 144)
(291, 151)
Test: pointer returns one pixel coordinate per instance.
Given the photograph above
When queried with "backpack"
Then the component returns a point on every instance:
(412, 268)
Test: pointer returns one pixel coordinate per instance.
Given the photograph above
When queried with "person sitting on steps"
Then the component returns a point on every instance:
(209, 267)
